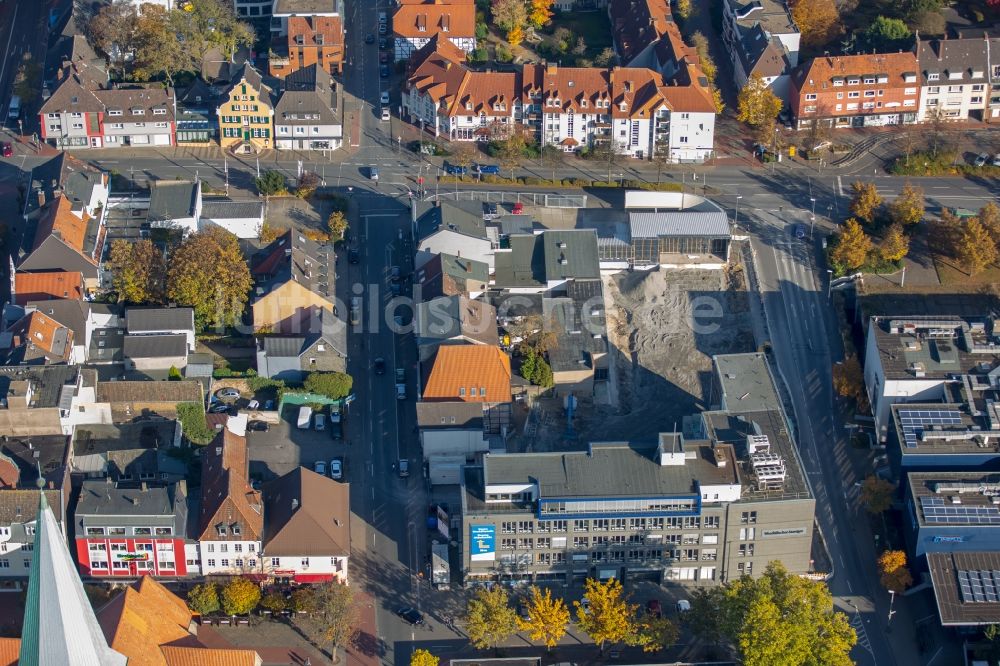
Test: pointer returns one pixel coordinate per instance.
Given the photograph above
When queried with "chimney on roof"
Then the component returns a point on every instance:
(551, 69)
(41, 197)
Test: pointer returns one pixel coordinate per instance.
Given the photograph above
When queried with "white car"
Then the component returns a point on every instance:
(683, 606)
(385, 114)
(384, 98)
(336, 469)
(227, 394)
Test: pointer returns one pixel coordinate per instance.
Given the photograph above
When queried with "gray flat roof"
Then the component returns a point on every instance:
(304, 7)
(936, 347)
(713, 224)
(949, 499)
(145, 320)
(172, 199)
(943, 429)
(746, 383)
(155, 346)
(232, 210)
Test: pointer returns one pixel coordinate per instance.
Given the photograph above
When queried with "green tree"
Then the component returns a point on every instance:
(482, 31)
(892, 571)
(895, 245)
(886, 35)
(778, 618)
(876, 494)
(535, 369)
(421, 657)
(853, 246)
(908, 207)
(336, 616)
(609, 617)
(334, 385)
(209, 273)
(28, 80)
(114, 31)
(212, 24)
(240, 596)
(865, 201)
(757, 105)
(174, 374)
(509, 14)
(976, 250)
(271, 183)
(193, 424)
(655, 633)
(337, 224)
(157, 50)
(489, 619)
(204, 598)
(138, 271)
(548, 617)
(274, 602)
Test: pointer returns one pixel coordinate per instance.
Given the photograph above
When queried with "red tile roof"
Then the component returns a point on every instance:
(58, 220)
(454, 18)
(226, 494)
(464, 372)
(48, 285)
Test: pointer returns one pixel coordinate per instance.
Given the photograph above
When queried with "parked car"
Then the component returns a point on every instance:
(490, 211)
(404, 468)
(383, 57)
(654, 608)
(219, 408)
(522, 609)
(683, 606)
(996, 160)
(258, 426)
(268, 405)
(6, 150)
(383, 43)
(353, 256)
(320, 421)
(369, 38)
(337, 469)
(455, 169)
(253, 404)
(386, 115)
(379, 366)
(518, 208)
(383, 71)
(373, 172)
(981, 159)
(799, 230)
(383, 28)
(411, 615)
(486, 169)
(383, 98)
(320, 467)
(227, 394)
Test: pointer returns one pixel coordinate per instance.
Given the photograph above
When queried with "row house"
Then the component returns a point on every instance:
(128, 531)
(246, 113)
(80, 113)
(857, 91)
(954, 77)
(309, 114)
(417, 22)
(638, 26)
(762, 39)
(311, 40)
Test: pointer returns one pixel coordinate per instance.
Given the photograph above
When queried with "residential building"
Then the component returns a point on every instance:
(445, 98)
(175, 205)
(637, 27)
(310, 40)
(993, 109)
(307, 528)
(46, 285)
(152, 626)
(447, 274)
(473, 373)
(954, 78)
(451, 436)
(197, 124)
(668, 229)
(153, 321)
(710, 505)
(292, 357)
(96, 329)
(137, 116)
(26, 463)
(85, 187)
(453, 320)
(35, 399)
(763, 40)
(37, 339)
(309, 113)
(146, 353)
(579, 357)
(911, 359)
(132, 530)
(284, 11)
(231, 520)
(127, 400)
(416, 22)
(295, 285)
(545, 262)
(856, 91)
(126, 453)
(447, 228)
(65, 241)
(246, 113)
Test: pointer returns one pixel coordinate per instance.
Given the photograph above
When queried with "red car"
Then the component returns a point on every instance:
(6, 150)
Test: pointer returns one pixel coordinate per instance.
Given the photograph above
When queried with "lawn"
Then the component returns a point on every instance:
(593, 26)
(952, 275)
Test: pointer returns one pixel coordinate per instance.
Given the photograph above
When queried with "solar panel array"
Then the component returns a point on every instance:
(914, 420)
(979, 586)
(937, 512)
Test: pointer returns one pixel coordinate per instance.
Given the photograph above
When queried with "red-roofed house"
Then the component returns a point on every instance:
(46, 286)
(416, 22)
(473, 373)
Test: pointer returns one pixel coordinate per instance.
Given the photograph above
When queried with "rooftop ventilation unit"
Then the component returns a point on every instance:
(757, 443)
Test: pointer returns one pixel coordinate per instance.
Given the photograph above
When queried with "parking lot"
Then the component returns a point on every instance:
(284, 447)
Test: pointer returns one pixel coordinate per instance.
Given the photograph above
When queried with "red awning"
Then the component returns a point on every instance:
(313, 578)
(570, 141)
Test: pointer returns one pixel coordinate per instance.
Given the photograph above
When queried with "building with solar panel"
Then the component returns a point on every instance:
(913, 359)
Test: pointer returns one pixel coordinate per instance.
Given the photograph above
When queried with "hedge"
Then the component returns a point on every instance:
(192, 418)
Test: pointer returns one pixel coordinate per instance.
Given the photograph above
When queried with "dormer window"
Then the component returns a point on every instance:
(869, 80)
(933, 76)
(221, 530)
(583, 103)
(319, 39)
(468, 106)
(138, 112)
(954, 75)
(853, 81)
(622, 106)
(159, 111)
(236, 529)
(300, 39)
(114, 112)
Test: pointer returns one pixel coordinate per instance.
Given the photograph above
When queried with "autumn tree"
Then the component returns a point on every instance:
(606, 58)
(551, 157)
(337, 226)
(270, 233)
(157, 50)
(512, 151)
(489, 619)
(908, 207)
(336, 615)
(817, 20)
(274, 602)
(852, 247)
(463, 155)
(516, 35)
(865, 201)
(758, 106)
(895, 244)
(976, 250)
(655, 633)
(204, 598)
(28, 80)
(989, 217)
(547, 617)
(778, 618)
(684, 10)
(609, 617)
(138, 271)
(509, 14)
(876, 494)
(211, 24)
(540, 13)
(421, 657)
(892, 571)
(114, 31)
(708, 66)
(208, 272)
(848, 379)
(240, 596)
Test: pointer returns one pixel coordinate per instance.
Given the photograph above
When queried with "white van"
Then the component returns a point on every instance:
(14, 111)
(305, 416)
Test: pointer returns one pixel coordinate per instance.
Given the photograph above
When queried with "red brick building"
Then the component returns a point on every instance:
(857, 91)
(312, 40)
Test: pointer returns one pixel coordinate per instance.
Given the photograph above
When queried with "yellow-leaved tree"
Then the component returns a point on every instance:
(608, 617)
(908, 207)
(421, 657)
(865, 201)
(895, 244)
(547, 617)
(817, 20)
(209, 273)
(976, 250)
(540, 13)
(892, 570)
(757, 105)
(489, 619)
(853, 246)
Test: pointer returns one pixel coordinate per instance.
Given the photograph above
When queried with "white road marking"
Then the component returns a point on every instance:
(840, 187)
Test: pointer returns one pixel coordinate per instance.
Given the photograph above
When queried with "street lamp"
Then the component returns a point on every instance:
(829, 283)
(736, 216)
(892, 598)
(812, 220)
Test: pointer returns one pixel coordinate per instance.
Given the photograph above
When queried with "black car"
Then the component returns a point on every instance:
(369, 38)
(353, 256)
(383, 71)
(380, 366)
(411, 615)
(258, 426)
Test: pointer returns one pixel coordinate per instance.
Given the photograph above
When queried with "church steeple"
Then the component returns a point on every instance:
(59, 623)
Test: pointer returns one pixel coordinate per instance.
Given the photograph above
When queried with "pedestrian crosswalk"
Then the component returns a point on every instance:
(858, 624)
